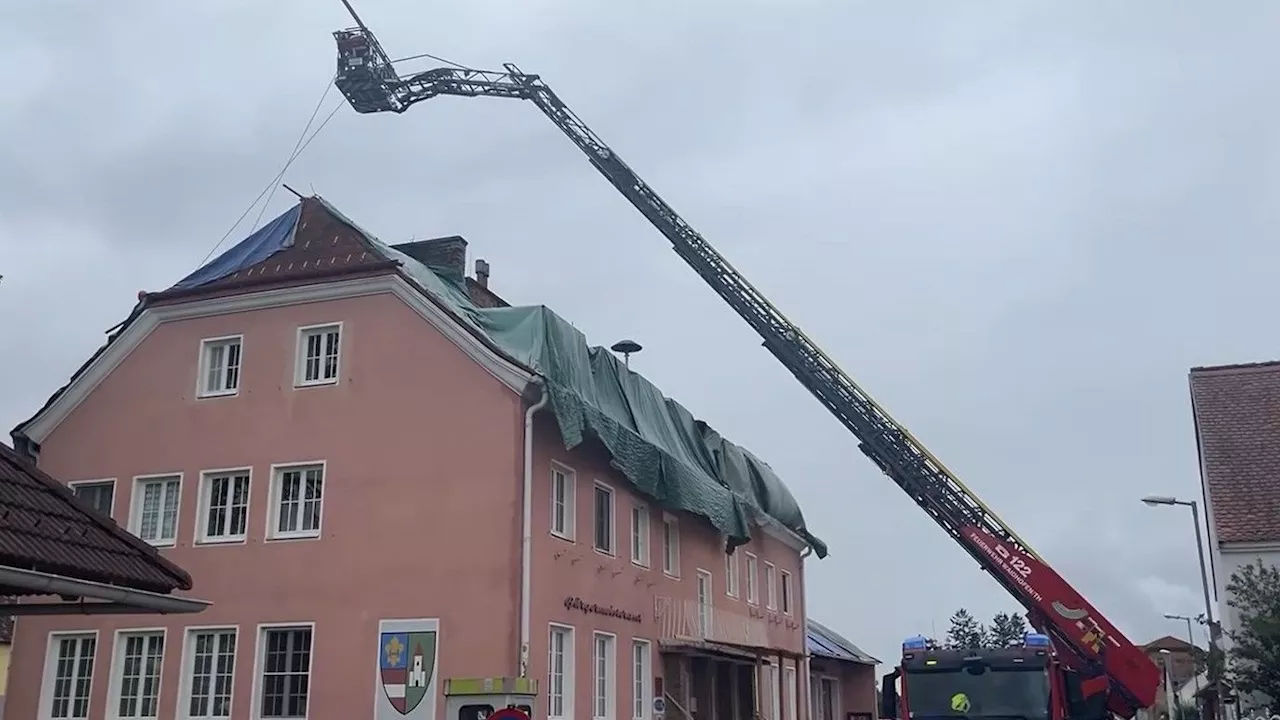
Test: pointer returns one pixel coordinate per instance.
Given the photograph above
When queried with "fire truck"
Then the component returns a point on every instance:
(1087, 666)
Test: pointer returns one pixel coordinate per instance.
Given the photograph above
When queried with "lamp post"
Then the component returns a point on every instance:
(1168, 684)
(1215, 628)
(1191, 638)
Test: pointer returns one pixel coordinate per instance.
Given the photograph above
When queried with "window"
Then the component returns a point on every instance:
(318, 350)
(207, 672)
(786, 592)
(704, 603)
(98, 494)
(670, 546)
(731, 574)
(770, 586)
(155, 509)
(220, 366)
(560, 673)
(793, 704)
(68, 676)
(224, 506)
(640, 535)
(296, 500)
(604, 690)
(753, 590)
(604, 518)
(284, 654)
(823, 697)
(641, 679)
(563, 489)
(136, 686)
(771, 687)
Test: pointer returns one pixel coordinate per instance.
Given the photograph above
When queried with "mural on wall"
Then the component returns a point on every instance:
(408, 651)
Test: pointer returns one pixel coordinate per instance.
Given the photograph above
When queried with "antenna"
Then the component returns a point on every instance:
(354, 16)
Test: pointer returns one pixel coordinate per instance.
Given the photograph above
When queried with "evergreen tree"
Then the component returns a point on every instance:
(1254, 592)
(1007, 630)
(965, 632)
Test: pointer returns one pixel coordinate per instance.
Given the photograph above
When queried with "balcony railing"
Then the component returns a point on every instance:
(690, 620)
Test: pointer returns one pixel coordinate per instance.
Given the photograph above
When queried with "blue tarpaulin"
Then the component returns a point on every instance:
(267, 241)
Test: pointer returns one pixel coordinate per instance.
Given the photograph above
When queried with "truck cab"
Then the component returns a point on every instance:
(1016, 683)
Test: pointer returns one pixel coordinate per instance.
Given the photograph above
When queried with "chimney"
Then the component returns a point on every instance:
(482, 273)
(449, 253)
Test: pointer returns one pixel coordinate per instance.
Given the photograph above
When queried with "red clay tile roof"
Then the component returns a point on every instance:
(43, 527)
(1237, 416)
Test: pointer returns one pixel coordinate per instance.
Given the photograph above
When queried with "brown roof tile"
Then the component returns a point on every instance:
(44, 527)
(1237, 416)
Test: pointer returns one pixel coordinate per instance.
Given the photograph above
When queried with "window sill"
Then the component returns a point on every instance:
(606, 553)
(300, 384)
(206, 395)
(639, 564)
(561, 536)
(160, 543)
(294, 536)
(672, 575)
(232, 540)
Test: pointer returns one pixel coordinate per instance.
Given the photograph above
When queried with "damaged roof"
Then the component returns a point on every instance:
(655, 442)
(45, 528)
(1237, 418)
(825, 642)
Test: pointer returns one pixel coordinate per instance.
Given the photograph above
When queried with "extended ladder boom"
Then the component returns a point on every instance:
(1092, 645)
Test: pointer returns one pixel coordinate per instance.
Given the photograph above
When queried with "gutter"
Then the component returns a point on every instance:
(526, 526)
(116, 599)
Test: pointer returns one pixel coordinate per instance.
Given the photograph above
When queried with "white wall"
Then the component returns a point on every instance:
(1230, 557)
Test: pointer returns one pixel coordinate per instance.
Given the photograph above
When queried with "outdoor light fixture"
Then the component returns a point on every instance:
(1154, 500)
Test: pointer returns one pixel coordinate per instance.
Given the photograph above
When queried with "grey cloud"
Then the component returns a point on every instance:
(1018, 226)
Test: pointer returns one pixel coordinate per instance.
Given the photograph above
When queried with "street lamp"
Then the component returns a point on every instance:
(1215, 628)
(1191, 638)
(1168, 684)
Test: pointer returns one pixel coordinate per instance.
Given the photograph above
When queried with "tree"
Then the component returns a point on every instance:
(965, 631)
(1254, 591)
(1007, 630)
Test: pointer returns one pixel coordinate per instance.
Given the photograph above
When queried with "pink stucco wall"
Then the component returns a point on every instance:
(420, 516)
(423, 453)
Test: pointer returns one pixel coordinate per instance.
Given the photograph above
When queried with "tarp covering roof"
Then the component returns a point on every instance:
(654, 441)
(825, 642)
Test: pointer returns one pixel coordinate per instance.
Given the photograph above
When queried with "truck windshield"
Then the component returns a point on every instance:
(996, 693)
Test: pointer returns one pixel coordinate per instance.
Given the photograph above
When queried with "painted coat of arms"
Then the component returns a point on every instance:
(407, 661)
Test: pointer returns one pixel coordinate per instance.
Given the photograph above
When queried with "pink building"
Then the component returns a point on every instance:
(383, 477)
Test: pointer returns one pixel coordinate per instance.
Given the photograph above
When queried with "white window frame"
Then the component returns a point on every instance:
(203, 506)
(114, 690)
(641, 679)
(259, 664)
(771, 675)
(670, 545)
(792, 682)
(788, 594)
(641, 525)
(753, 579)
(111, 482)
(570, 501)
(187, 677)
(135, 507)
(612, 550)
(568, 674)
(706, 606)
(816, 682)
(49, 678)
(732, 574)
(300, 355)
(610, 678)
(203, 368)
(274, 498)
(770, 585)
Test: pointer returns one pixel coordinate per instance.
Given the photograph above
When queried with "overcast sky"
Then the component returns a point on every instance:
(1018, 227)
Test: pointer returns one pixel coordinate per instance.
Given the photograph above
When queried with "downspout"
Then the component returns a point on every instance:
(804, 683)
(526, 526)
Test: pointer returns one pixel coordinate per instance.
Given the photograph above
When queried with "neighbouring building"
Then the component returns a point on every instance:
(842, 678)
(1177, 660)
(1236, 409)
(385, 477)
(59, 557)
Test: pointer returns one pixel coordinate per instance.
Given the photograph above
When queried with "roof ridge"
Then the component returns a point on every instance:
(1236, 368)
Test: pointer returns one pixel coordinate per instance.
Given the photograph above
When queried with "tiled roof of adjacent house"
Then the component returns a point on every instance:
(1237, 416)
(45, 528)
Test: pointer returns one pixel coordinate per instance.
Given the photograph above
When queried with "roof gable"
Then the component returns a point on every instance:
(1236, 410)
(44, 527)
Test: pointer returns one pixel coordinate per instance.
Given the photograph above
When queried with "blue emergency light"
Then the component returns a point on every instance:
(1036, 640)
(915, 642)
